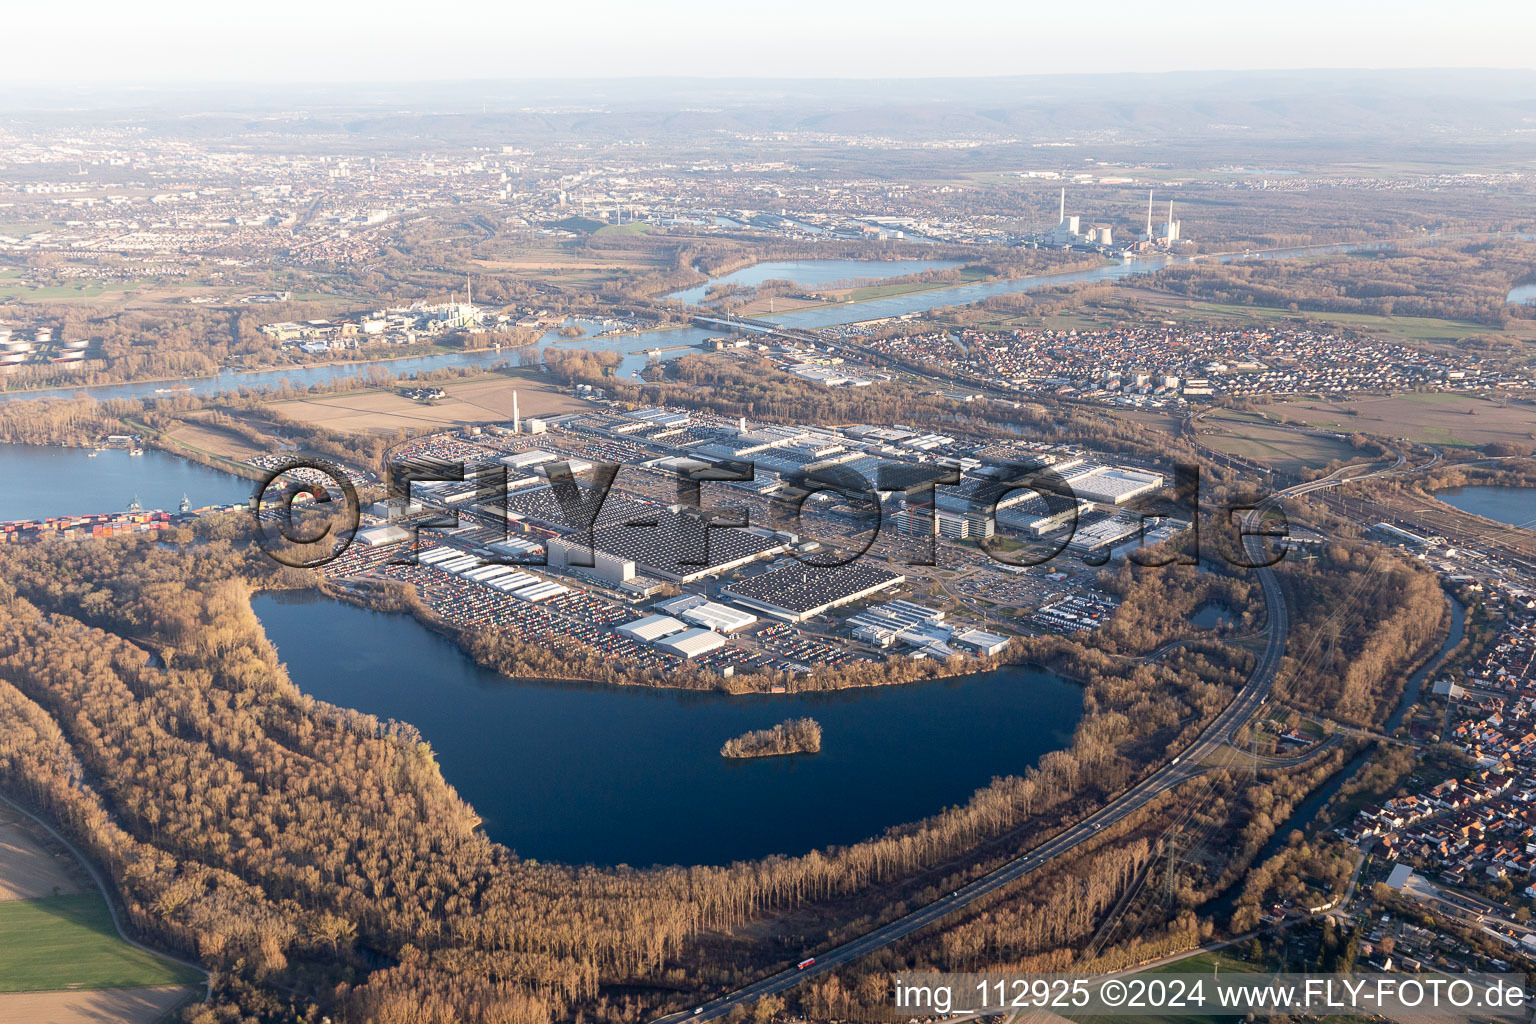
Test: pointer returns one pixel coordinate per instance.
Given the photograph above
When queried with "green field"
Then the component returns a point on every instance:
(1409, 328)
(67, 942)
(624, 229)
(65, 291)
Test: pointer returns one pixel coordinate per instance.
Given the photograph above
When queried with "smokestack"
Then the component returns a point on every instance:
(517, 419)
(1063, 205)
(1150, 235)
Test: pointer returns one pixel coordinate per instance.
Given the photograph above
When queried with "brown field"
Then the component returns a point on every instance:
(481, 401)
(1431, 418)
(117, 1006)
(1248, 436)
(213, 441)
(28, 870)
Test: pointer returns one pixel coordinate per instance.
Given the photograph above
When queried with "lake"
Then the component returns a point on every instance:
(1212, 615)
(585, 773)
(1525, 293)
(42, 481)
(1513, 505)
(812, 273)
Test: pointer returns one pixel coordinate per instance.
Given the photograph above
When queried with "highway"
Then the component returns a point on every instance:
(1183, 768)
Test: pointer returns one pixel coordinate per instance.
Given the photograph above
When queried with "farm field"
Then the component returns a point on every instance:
(119, 1006)
(27, 869)
(488, 400)
(1250, 436)
(1432, 418)
(68, 942)
(213, 441)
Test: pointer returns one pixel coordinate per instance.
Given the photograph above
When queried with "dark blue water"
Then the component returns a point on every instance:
(1415, 685)
(1212, 615)
(607, 775)
(1513, 505)
(811, 273)
(37, 482)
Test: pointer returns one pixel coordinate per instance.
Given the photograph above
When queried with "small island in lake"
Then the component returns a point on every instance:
(796, 736)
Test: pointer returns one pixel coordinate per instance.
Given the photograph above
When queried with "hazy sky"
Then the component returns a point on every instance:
(387, 40)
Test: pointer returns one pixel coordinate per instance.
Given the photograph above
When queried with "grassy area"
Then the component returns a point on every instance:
(1409, 328)
(1443, 418)
(67, 942)
(65, 291)
(624, 229)
(1250, 436)
(1207, 963)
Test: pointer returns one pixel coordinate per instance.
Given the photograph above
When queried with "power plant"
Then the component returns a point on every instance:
(1070, 233)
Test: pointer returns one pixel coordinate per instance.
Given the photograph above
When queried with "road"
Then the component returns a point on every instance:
(1183, 768)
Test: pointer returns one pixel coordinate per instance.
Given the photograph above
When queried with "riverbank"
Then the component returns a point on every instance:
(425, 352)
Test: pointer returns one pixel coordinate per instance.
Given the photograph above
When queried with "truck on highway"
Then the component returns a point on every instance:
(803, 964)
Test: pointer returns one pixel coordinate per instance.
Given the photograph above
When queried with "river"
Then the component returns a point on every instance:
(1515, 506)
(602, 774)
(39, 482)
(812, 273)
(639, 349)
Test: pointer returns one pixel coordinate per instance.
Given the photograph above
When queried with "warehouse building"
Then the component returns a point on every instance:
(721, 618)
(1113, 486)
(798, 592)
(671, 544)
(1103, 534)
(652, 628)
(691, 643)
(608, 567)
(681, 603)
(528, 459)
(980, 641)
(380, 536)
(907, 621)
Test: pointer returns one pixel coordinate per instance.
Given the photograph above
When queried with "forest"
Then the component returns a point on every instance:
(293, 847)
(1469, 282)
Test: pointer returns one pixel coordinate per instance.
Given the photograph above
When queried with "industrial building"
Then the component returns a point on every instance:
(1109, 486)
(380, 536)
(980, 641)
(528, 459)
(606, 566)
(798, 592)
(691, 643)
(1103, 534)
(652, 628)
(907, 621)
(678, 546)
(681, 603)
(721, 618)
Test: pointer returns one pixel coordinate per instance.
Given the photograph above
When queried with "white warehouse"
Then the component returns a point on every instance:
(652, 627)
(691, 643)
(1114, 486)
(718, 617)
